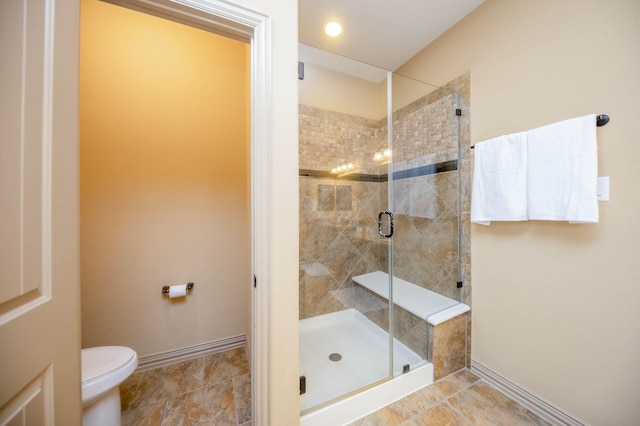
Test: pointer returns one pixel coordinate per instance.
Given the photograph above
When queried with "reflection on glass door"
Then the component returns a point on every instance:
(344, 339)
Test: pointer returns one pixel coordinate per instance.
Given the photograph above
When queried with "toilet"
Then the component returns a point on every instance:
(103, 369)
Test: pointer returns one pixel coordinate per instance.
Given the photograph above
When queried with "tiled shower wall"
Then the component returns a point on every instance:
(338, 217)
(425, 241)
(329, 139)
(426, 131)
(338, 240)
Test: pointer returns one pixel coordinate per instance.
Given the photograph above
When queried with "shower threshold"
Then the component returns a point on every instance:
(343, 352)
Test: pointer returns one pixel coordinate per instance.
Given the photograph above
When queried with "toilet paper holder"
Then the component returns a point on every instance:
(165, 289)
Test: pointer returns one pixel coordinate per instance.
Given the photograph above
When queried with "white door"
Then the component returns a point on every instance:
(39, 267)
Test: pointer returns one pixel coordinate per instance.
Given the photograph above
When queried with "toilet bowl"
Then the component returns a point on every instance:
(103, 369)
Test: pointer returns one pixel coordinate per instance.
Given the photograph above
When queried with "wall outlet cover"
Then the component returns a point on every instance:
(603, 188)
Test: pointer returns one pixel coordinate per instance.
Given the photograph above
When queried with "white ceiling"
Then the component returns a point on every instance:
(384, 33)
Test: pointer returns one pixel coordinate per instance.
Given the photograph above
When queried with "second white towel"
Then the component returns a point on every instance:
(563, 171)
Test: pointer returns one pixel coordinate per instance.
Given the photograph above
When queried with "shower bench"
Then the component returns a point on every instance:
(421, 302)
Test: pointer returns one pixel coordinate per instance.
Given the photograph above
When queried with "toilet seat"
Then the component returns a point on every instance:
(104, 368)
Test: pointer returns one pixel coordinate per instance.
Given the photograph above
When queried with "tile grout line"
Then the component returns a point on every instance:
(155, 401)
(201, 387)
(235, 401)
(137, 391)
(451, 407)
(164, 411)
(444, 400)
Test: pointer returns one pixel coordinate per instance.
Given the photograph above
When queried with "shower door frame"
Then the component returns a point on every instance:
(393, 201)
(391, 205)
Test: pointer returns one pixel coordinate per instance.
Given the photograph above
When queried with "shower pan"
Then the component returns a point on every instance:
(379, 226)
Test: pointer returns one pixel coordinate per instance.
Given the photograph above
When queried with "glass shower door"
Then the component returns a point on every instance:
(423, 196)
(344, 319)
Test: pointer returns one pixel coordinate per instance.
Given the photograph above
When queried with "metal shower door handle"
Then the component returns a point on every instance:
(390, 234)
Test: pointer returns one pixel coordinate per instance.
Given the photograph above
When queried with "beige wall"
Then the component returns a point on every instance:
(164, 181)
(555, 305)
(334, 91)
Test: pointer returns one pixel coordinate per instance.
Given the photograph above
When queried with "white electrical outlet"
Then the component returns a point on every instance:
(603, 188)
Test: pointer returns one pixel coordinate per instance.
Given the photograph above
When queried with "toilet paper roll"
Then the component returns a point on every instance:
(177, 291)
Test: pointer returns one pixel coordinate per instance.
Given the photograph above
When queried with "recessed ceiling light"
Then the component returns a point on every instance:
(333, 29)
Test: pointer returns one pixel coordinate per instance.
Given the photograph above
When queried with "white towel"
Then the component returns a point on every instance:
(500, 179)
(563, 171)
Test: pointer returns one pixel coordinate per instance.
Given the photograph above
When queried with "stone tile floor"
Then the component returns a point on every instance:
(461, 399)
(216, 390)
(210, 390)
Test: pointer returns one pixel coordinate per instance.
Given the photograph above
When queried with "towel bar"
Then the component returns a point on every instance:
(601, 120)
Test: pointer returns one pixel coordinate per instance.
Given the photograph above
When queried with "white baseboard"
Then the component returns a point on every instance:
(534, 403)
(184, 354)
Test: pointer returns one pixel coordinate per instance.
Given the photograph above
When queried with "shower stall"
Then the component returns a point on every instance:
(380, 225)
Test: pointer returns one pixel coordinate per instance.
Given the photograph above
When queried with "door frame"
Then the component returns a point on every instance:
(253, 27)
